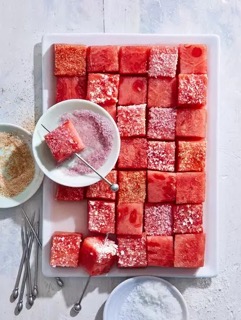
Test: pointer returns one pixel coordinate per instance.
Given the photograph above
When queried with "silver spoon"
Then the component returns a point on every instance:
(77, 306)
(114, 186)
(35, 284)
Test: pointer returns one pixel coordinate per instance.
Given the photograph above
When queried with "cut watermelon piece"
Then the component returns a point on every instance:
(97, 255)
(188, 218)
(190, 187)
(189, 250)
(65, 247)
(70, 88)
(133, 90)
(64, 193)
(129, 219)
(101, 190)
(161, 155)
(160, 251)
(64, 141)
(101, 216)
(131, 120)
(133, 154)
(163, 61)
(111, 110)
(132, 186)
(161, 186)
(70, 60)
(191, 123)
(192, 89)
(191, 155)
(132, 252)
(193, 58)
(161, 123)
(162, 92)
(103, 59)
(103, 88)
(134, 59)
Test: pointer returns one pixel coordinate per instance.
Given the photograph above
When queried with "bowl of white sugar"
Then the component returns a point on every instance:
(145, 298)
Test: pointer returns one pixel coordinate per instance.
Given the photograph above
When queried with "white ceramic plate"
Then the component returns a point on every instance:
(6, 202)
(120, 294)
(59, 216)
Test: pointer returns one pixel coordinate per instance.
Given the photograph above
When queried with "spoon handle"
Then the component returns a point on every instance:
(35, 282)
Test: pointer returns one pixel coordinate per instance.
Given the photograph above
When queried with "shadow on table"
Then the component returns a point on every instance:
(184, 283)
(37, 75)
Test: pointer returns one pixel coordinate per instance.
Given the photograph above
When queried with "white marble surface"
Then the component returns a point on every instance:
(22, 25)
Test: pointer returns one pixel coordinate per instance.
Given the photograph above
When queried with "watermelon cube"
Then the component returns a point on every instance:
(190, 187)
(65, 247)
(161, 186)
(70, 60)
(132, 186)
(192, 89)
(188, 218)
(131, 120)
(134, 59)
(64, 193)
(103, 59)
(129, 219)
(133, 154)
(133, 90)
(189, 250)
(163, 61)
(64, 141)
(97, 255)
(191, 155)
(191, 123)
(161, 155)
(132, 252)
(161, 123)
(162, 92)
(111, 110)
(101, 190)
(101, 216)
(70, 88)
(103, 88)
(193, 58)
(160, 251)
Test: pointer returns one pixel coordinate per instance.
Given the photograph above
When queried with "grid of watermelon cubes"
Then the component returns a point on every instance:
(157, 95)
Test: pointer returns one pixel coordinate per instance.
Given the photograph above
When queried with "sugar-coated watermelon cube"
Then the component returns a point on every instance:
(101, 190)
(102, 88)
(111, 110)
(131, 120)
(193, 58)
(132, 252)
(132, 186)
(64, 141)
(161, 155)
(64, 193)
(163, 61)
(134, 59)
(158, 219)
(70, 88)
(133, 154)
(161, 186)
(191, 155)
(160, 251)
(190, 187)
(97, 255)
(132, 90)
(191, 123)
(101, 216)
(103, 59)
(65, 247)
(129, 219)
(192, 89)
(161, 123)
(162, 92)
(189, 250)
(70, 60)
(188, 218)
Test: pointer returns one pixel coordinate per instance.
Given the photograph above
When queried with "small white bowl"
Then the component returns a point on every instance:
(50, 119)
(119, 296)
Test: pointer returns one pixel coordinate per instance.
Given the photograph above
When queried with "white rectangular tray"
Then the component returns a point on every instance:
(60, 216)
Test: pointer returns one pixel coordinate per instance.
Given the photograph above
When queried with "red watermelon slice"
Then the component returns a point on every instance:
(160, 251)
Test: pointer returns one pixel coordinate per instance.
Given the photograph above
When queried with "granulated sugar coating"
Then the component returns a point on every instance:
(97, 134)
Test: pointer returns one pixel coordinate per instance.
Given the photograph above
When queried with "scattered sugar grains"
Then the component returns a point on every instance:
(150, 301)
(16, 165)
